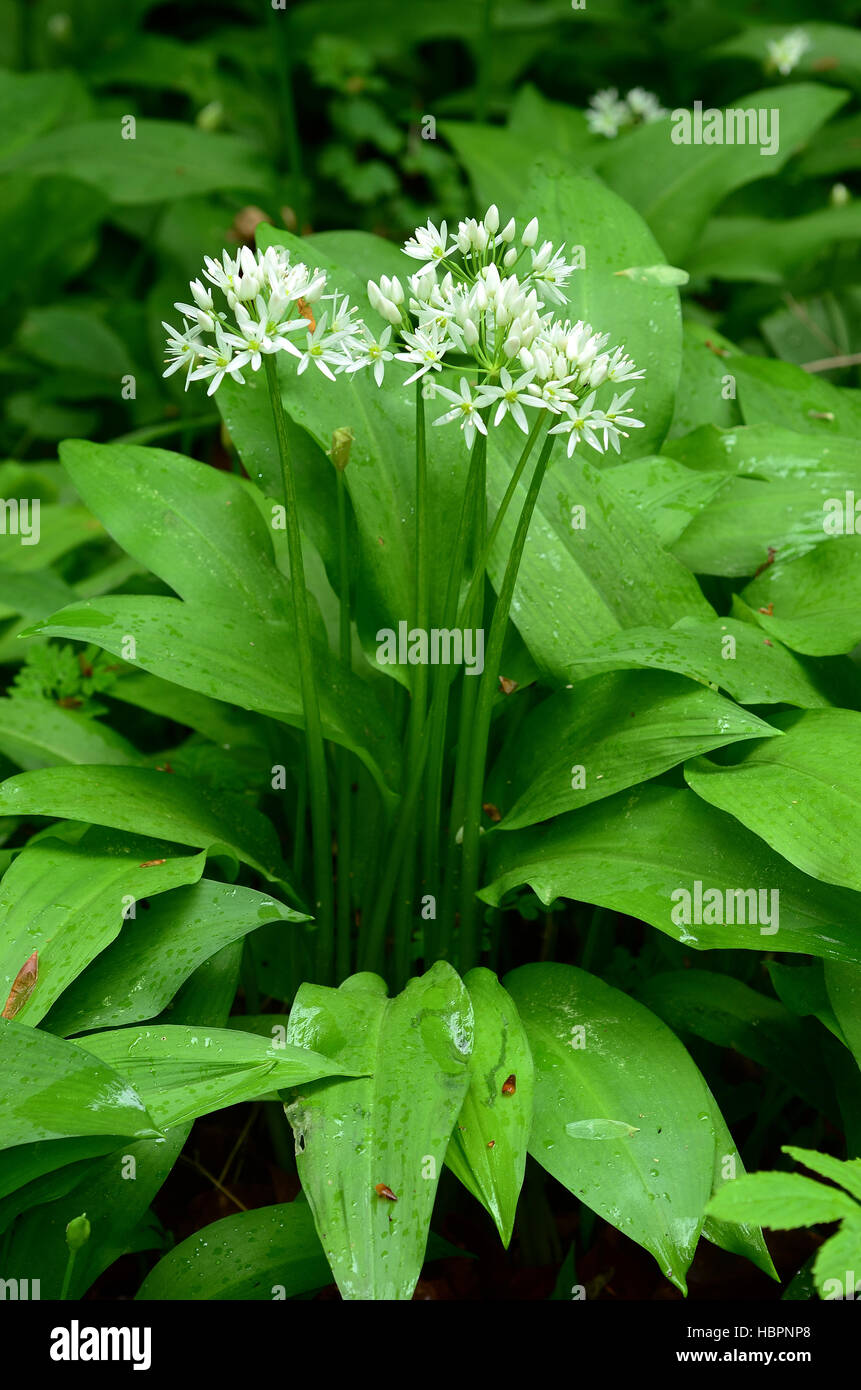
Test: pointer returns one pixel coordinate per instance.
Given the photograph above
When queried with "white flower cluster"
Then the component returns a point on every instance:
(266, 298)
(608, 113)
(477, 304)
(786, 52)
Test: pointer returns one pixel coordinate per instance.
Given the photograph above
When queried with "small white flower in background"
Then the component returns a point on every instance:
(479, 304)
(608, 113)
(786, 52)
(263, 297)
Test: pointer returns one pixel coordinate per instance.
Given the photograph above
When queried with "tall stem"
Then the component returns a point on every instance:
(469, 943)
(318, 781)
(345, 829)
(430, 745)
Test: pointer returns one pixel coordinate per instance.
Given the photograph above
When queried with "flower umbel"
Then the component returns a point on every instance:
(259, 299)
(479, 305)
(787, 52)
(608, 113)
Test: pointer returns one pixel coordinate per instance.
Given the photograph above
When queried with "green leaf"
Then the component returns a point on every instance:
(254, 1255)
(68, 337)
(667, 494)
(576, 587)
(183, 1071)
(656, 275)
(804, 800)
(836, 1262)
(635, 851)
(767, 451)
(743, 1238)
(723, 652)
(846, 1174)
(67, 902)
(832, 49)
(768, 249)
(676, 186)
(487, 1150)
(38, 733)
(230, 654)
(165, 160)
(610, 732)
(815, 599)
(731, 1014)
(138, 974)
(780, 1201)
(595, 1051)
(193, 526)
(843, 983)
(387, 1130)
(118, 1188)
(780, 393)
(644, 316)
(51, 1089)
(153, 803)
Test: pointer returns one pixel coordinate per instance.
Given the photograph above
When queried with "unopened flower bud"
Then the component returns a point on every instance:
(342, 440)
(78, 1233)
(491, 219)
(470, 333)
(507, 233)
(509, 258)
(530, 233)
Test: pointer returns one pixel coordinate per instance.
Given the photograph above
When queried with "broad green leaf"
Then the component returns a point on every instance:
(780, 1201)
(52, 1089)
(487, 1150)
(804, 800)
(835, 149)
(39, 733)
(499, 161)
(802, 989)
(62, 529)
(780, 393)
(597, 1051)
(193, 526)
(183, 1071)
(668, 494)
(67, 337)
(843, 983)
(389, 1129)
(643, 317)
(767, 451)
(767, 249)
(675, 186)
(138, 974)
(272, 1252)
(742, 1238)
(41, 1172)
(154, 803)
(31, 103)
(731, 1014)
(706, 392)
(610, 732)
(722, 652)
(812, 602)
(634, 853)
(576, 587)
(166, 159)
(233, 655)
(846, 1174)
(655, 274)
(117, 1189)
(67, 902)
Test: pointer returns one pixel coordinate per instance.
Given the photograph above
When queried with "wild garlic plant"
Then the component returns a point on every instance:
(479, 328)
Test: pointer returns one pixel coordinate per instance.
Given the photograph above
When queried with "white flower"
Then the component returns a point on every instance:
(373, 351)
(216, 362)
(606, 114)
(267, 297)
(786, 52)
(428, 243)
(511, 397)
(613, 419)
(426, 347)
(645, 105)
(466, 299)
(465, 409)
